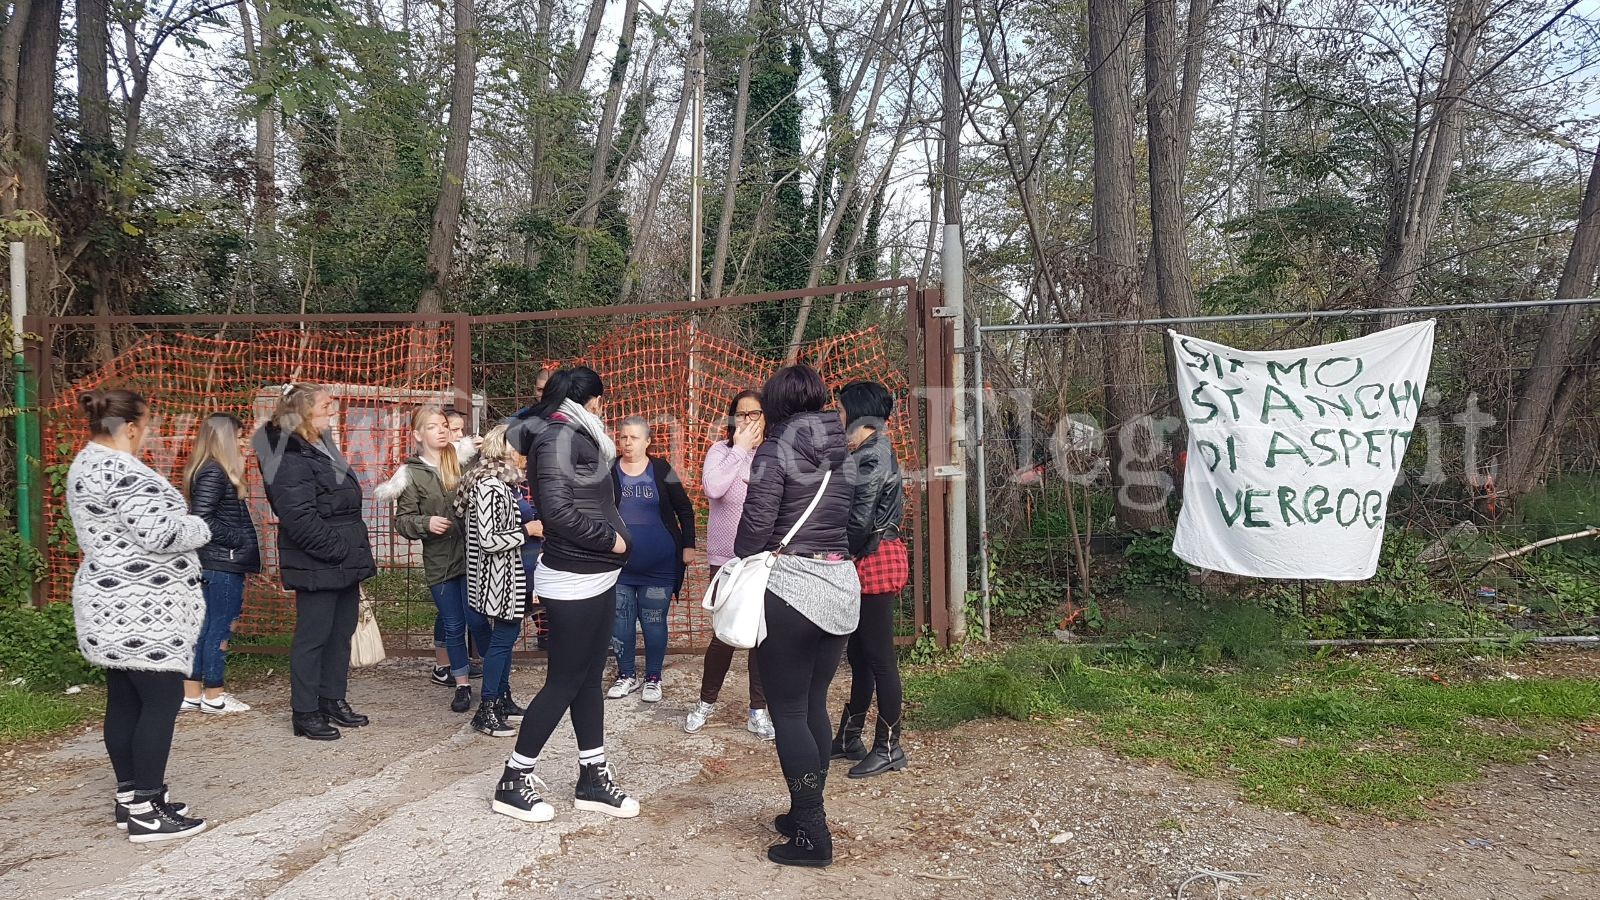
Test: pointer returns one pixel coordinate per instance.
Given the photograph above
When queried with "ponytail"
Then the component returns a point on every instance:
(580, 384)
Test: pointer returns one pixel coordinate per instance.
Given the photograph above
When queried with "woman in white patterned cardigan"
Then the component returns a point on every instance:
(137, 605)
(497, 592)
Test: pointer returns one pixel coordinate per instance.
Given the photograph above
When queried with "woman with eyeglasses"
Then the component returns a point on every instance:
(726, 477)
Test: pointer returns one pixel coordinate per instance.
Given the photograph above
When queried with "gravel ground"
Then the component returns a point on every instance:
(992, 809)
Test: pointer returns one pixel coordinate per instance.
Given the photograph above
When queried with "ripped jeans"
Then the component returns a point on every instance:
(648, 607)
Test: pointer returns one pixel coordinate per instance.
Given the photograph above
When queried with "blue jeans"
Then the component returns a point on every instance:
(647, 606)
(451, 625)
(224, 593)
(497, 637)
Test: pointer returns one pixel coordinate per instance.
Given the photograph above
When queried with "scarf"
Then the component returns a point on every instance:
(486, 468)
(590, 423)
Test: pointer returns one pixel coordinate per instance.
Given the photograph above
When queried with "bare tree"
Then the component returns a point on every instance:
(730, 187)
(447, 215)
(1419, 182)
(604, 135)
(266, 149)
(1113, 270)
(1561, 363)
(35, 125)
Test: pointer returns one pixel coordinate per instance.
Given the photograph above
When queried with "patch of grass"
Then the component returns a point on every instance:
(1314, 738)
(28, 715)
(403, 602)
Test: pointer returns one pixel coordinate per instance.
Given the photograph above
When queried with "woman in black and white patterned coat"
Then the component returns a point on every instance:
(497, 589)
(137, 605)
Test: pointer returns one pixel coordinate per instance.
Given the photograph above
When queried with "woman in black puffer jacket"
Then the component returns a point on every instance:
(813, 597)
(324, 553)
(585, 546)
(214, 480)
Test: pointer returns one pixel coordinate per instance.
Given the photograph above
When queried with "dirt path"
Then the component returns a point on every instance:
(990, 810)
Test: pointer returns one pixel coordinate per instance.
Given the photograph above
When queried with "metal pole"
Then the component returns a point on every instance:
(19, 310)
(696, 164)
(978, 400)
(953, 274)
(1309, 314)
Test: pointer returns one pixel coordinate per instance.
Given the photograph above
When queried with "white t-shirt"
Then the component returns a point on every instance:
(554, 584)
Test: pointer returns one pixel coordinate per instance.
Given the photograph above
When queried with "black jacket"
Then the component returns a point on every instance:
(677, 510)
(575, 496)
(879, 496)
(233, 547)
(322, 537)
(785, 475)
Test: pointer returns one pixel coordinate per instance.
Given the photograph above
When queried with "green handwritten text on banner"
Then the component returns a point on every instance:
(1292, 453)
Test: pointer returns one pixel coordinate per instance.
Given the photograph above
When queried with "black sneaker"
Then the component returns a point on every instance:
(510, 711)
(596, 792)
(120, 813)
(463, 699)
(517, 796)
(441, 676)
(489, 722)
(160, 822)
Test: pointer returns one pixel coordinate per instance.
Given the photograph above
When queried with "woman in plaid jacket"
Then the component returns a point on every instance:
(881, 564)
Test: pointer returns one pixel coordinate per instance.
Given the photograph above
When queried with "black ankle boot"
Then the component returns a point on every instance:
(339, 712)
(811, 844)
(847, 740)
(314, 725)
(886, 755)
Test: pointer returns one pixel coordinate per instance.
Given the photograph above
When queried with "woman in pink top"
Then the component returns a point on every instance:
(726, 477)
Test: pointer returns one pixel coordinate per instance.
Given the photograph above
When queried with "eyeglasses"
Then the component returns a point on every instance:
(753, 414)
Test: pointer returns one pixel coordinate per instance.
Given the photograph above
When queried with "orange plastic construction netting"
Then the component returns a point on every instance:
(668, 371)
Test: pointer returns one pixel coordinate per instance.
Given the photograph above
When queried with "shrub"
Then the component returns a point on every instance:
(41, 646)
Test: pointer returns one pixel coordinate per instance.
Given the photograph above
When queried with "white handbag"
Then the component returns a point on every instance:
(737, 597)
(366, 645)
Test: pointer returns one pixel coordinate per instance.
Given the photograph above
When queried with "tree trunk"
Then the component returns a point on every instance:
(1419, 196)
(1193, 69)
(541, 47)
(1114, 271)
(94, 112)
(447, 215)
(266, 155)
(730, 188)
(645, 229)
(1169, 255)
(590, 213)
(35, 123)
(10, 54)
(852, 175)
(1557, 366)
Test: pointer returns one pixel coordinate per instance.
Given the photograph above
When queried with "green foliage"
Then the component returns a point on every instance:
(40, 646)
(1567, 503)
(1318, 738)
(21, 567)
(1149, 563)
(26, 715)
(403, 602)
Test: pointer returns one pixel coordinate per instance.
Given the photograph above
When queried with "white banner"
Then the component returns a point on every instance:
(1292, 453)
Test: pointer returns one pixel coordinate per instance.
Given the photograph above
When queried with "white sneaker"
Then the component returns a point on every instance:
(760, 725)
(698, 716)
(190, 705)
(624, 687)
(227, 703)
(652, 692)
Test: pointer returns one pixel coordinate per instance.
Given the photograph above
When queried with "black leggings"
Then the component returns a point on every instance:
(580, 637)
(141, 710)
(872, 659)
(798, 661)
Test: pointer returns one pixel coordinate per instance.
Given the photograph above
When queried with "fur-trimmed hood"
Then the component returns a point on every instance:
(390, 490)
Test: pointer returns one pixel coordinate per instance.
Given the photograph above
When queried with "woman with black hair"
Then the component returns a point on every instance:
(725, 478)
(585, 546)
(813, 597)
(881, 564)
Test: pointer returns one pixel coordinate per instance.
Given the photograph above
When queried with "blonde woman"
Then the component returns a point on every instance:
(497, 591)
(423, 492)
(213, 479)
(324, 553)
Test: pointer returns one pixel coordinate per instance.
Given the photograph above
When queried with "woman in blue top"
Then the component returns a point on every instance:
(657, 511)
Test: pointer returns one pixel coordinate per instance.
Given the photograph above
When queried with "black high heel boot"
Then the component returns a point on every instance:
(886, 755)
(847, 740)
(314, 725)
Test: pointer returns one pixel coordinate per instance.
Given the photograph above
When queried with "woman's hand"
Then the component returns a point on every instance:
(747, 434)
(535, 529)
(688, 555)
(439, 525)
(619, 546)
